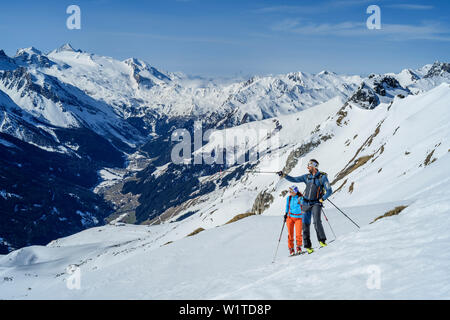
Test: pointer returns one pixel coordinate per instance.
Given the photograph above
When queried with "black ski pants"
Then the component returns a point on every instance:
(314, 210)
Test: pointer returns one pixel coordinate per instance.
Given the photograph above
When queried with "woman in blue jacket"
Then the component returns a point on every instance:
(293, 218)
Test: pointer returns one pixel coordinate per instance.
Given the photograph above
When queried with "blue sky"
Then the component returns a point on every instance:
(239, 38)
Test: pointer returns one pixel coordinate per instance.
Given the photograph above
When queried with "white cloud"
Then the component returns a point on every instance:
(424, 31)
(295, 26)
(288, 9)
(175, 37)
(286, 25)
(318, 7)
(409, 6)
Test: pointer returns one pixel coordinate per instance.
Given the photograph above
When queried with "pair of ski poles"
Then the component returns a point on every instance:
(284, 222)
(282, 228)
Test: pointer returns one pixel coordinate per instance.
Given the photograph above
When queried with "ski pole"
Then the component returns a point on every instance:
(262, 171)
(282, 228)
(334, 234)
(343, 213)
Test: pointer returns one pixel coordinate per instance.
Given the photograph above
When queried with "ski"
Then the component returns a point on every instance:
(320, 247)
(295, 255)
(306, 252)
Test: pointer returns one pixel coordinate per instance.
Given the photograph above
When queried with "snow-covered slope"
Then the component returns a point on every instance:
(374, 91)
(377, 159)
(234, 261)
(94, 133)
(366, 153)
(58, 104)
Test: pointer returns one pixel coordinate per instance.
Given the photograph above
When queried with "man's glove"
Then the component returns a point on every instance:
(280, 173)
(321, 200)
(285, 216)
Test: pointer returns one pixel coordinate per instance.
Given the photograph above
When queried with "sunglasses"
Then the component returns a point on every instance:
(312, 164)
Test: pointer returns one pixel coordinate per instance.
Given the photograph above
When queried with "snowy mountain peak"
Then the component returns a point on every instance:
(32, 56)
(296, 76)
(145, 74)
(6, 63)
(326, 73)
(438, 69)
(135, 62)
(409, 73)
(27, 51)
(66, 47)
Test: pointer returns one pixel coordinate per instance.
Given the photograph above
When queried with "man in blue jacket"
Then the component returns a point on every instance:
(317, 190)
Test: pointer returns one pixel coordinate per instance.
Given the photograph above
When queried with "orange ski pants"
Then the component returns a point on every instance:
(297, 223)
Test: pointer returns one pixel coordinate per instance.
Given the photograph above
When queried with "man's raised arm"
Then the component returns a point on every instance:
(293, 179)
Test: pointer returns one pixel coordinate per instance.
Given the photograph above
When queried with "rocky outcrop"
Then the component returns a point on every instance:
(365, 97)
(378, 89)
(385, 83)
(438, 69)
(262, 202)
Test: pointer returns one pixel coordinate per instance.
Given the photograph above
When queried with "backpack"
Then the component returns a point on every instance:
(314, 192)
